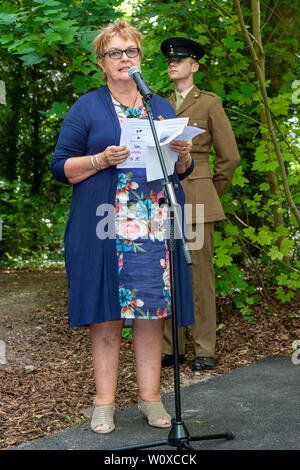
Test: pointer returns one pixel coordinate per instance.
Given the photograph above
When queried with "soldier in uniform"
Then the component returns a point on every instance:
(205, 111)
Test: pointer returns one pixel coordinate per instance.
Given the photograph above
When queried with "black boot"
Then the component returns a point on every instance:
(167, 359)
(203, 363)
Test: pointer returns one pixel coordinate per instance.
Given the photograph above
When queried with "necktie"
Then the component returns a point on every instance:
(179, 101)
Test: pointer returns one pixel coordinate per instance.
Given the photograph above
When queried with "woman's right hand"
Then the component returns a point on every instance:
(113, 155)
(78, 169)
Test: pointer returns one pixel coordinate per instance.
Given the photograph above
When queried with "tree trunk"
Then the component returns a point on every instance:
(272, 177)
(36, 147)
(14, 102)
(272, 133)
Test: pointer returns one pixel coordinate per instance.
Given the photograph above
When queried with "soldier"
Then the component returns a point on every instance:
(205, 111)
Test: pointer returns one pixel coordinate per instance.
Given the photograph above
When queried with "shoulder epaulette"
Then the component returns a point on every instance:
(210, 93)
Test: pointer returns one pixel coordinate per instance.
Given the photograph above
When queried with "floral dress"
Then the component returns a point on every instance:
(142, 251)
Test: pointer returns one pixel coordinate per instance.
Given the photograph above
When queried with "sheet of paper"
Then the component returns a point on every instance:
(173, 129)
(189, 132)
(166, 130)
(134, 135)
(153, 167)
(137, 136)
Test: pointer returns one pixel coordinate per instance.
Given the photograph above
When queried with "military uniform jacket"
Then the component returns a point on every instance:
(204, 186)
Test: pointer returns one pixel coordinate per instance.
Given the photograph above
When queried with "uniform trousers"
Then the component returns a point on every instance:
(203, 331)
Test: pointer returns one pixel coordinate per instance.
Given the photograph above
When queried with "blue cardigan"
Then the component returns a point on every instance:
(91, 264)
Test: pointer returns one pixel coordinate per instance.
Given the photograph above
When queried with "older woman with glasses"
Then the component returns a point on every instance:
(124, 276)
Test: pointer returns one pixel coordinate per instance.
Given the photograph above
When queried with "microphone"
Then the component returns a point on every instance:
(143, 87)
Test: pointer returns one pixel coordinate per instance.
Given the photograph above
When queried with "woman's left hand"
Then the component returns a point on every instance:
(183, 149)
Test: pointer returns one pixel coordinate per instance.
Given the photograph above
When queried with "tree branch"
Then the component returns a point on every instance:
(227, 13)
(270, 16)
(285, 140)
(245, 115)
(268, 112)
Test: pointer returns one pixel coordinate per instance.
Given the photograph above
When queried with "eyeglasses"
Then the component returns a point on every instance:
(116, 54)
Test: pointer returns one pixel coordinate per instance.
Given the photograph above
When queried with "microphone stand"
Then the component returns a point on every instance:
(179, 436)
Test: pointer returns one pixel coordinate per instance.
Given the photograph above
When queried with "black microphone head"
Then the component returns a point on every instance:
(133, 70)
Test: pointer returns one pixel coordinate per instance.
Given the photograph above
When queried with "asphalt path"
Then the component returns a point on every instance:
(259, 404)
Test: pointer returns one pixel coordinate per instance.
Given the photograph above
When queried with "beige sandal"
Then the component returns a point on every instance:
(103, 416)
(154, 411)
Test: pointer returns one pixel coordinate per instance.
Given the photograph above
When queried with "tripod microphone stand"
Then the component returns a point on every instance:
(179, 436)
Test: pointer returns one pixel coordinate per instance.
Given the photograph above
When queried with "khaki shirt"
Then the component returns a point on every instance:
(202, 186)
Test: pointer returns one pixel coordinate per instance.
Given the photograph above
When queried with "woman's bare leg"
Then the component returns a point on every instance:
(147, 340)
(106, 341)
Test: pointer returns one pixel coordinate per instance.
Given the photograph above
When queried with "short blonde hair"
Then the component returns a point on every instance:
(118, 28)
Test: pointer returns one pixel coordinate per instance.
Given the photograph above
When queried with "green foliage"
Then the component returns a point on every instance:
(47, 62)
(252, 238)
(127, 333)
(32, 234)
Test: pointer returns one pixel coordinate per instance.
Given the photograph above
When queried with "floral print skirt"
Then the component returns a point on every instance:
(142, 251)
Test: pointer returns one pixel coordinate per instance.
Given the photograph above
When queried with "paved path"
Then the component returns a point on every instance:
(260, 403)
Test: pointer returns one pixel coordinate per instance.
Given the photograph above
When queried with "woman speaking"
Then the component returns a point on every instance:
(127, 275)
